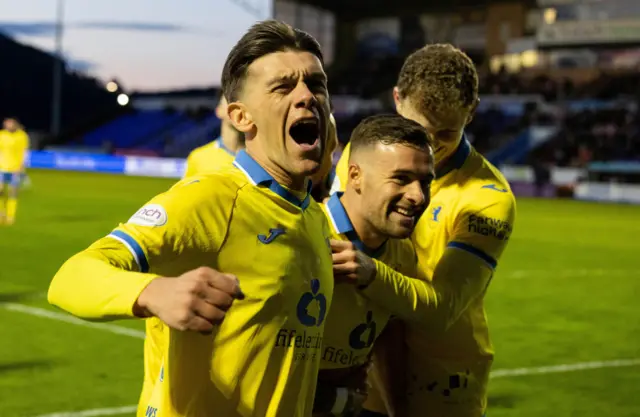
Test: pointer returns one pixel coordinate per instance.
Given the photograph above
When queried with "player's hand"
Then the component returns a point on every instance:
(196, 300)
(350, 265)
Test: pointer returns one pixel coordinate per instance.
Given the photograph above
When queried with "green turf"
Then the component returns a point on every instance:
(566, 292)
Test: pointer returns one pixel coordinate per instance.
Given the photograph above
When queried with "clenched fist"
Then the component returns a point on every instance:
(350, 265)
(196, 300)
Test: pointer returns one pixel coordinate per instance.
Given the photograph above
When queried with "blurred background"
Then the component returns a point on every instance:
(115, 94)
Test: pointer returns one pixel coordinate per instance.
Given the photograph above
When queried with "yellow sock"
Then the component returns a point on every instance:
(12, 206)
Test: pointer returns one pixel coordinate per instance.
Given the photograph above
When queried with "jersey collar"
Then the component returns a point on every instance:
(223, 147)
(259, 176)
(457, 159)
(341, 223)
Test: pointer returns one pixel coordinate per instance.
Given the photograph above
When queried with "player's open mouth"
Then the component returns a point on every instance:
(306, 132)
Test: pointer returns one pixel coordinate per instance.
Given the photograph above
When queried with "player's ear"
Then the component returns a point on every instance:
(240, 117)
(396, 98)
(472, 111)
(355, 176)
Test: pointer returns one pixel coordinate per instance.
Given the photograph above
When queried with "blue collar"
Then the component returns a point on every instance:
(342, 224)
(457, 159)
(259, 176)
(224, 148)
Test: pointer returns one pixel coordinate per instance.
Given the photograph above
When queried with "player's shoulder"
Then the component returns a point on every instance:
(483, 184)
(213, 187)
(204, 149)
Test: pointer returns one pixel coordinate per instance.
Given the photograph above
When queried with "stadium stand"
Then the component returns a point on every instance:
(26, 89)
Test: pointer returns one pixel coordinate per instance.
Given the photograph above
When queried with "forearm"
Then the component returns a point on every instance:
(458, 279)
(406, 297)
(91, 287)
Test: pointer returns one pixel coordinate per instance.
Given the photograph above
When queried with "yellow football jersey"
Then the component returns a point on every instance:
(263, 360)
(354, 322)
(209, 157)
(13, 150)
(465, 228)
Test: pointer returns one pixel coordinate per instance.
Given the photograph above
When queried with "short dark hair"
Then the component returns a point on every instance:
(262, 39)
(440, 78)
(389, 129)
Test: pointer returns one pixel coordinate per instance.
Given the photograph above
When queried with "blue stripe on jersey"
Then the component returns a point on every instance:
(135, 247)
(474, 251)
(260, 176)
(344, 226)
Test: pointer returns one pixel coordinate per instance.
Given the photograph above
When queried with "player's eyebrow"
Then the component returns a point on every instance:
(409, 173)
(283, 78)
(290, 78)
(316, 76)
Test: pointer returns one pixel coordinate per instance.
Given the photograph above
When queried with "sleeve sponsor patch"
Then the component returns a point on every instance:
(151, 215)
(488, 226)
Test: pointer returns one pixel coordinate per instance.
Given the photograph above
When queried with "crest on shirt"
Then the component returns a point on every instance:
(151, 215)
(435, 214)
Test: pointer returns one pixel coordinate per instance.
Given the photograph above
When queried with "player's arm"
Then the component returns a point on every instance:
(462, 273)
(123, 275)
(24, 151)
(481, 233)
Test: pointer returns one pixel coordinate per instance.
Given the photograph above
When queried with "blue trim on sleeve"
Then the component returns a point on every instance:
(143, 263)
(474, 251)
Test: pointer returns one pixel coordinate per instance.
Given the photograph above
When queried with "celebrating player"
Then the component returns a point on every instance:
(255, 221)
(221, 151)
(459, 241)
(387, 190)
(14, 144)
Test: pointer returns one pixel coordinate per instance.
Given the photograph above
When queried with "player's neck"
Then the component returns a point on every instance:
(353, 206)
(446, 158)
(281, 176)
(231, 138)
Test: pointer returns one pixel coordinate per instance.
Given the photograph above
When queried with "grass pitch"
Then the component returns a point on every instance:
(566, 292)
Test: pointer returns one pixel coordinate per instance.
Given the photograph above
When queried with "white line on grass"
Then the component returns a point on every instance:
(558, 369)
(566, 273)
(41, 312)
(499, 373)
(96, 412)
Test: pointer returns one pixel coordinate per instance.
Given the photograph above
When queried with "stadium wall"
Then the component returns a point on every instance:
(564, 181)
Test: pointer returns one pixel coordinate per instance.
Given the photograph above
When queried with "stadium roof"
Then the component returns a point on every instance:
(355, 9)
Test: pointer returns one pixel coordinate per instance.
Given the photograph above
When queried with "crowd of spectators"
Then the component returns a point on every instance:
(595, 121)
